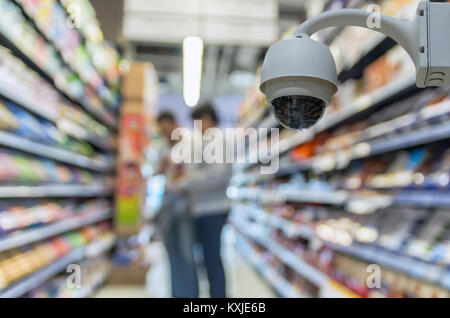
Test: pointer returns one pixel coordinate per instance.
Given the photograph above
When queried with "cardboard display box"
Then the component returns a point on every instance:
(139, 82)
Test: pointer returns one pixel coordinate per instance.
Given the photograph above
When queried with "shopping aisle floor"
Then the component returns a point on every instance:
(243, 280)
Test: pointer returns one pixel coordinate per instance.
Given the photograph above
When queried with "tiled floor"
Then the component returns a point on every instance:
(123, 292)
(242, 280)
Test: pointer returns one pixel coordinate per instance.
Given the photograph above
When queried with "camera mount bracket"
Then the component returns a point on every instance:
(425, 39)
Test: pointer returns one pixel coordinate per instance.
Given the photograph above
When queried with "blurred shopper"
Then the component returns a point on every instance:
(174, 219)
(206, 185)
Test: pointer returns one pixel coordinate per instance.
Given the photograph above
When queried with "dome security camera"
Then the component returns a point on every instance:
(298, 78)
(299, 75)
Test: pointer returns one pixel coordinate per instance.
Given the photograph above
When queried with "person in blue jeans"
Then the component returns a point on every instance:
(183, 270)
(206, 185)
(208, 229)
(174, 220)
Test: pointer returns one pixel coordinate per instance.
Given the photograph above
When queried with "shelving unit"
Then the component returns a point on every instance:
(34, 280)
(423, 198)
(101, 114)
(11, 141)
(414, 267)
(401, 197)
(27, 102)
(43, 275)
(312, 274)
(35, 235)
(55, 191)
(75, 151)
(325, 175)
(311, 196)
(35, 67)
(281, 286)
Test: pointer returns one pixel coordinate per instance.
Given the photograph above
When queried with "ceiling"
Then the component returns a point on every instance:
(236, 34)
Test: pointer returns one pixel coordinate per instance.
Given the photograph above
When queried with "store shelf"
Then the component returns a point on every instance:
(4, 41)
(280, 285)
(54, 190)
(97, 113)
(288, 168)
(34, 280)
(405, 140)
(302, 268)
(336, 197)
(381, 145)
(378, 45)
(412, 266)
(67, 63)
(13, 93)
(41, 276)
(29, 103)
(97, 248)
(88, 291)
(85, 41)
(366, 101)
(423, 198)
(289, 258)
(24, 237)
(347, 198)
(289, 228)
(32, 47)
(261, 216)
(385, 144)
(19, 143)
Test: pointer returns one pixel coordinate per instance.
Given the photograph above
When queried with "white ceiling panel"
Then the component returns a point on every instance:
(222, 22)
(255, 9)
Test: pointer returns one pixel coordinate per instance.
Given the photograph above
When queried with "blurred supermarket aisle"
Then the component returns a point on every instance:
(357, 206)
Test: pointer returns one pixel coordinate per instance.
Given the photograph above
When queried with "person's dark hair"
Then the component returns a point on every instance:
(205, 109)
(165, 116)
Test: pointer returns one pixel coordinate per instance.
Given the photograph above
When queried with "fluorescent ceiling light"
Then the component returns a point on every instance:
(192, 69)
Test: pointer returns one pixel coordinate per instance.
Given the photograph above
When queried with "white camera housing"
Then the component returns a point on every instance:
(299, 76)
(295, 68)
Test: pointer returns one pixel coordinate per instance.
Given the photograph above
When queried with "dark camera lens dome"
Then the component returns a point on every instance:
(297, 111)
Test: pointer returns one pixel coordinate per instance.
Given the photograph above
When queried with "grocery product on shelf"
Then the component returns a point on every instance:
(8, 120)
(68, 41)
(16, 264)
(25, 87)
(282, 278)
(93, 275)
(33, 214)
(352, 272)
(18, 168)
(103, 55)
(15, 27)
(42, 131)
(20, 30)
(346, 266)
